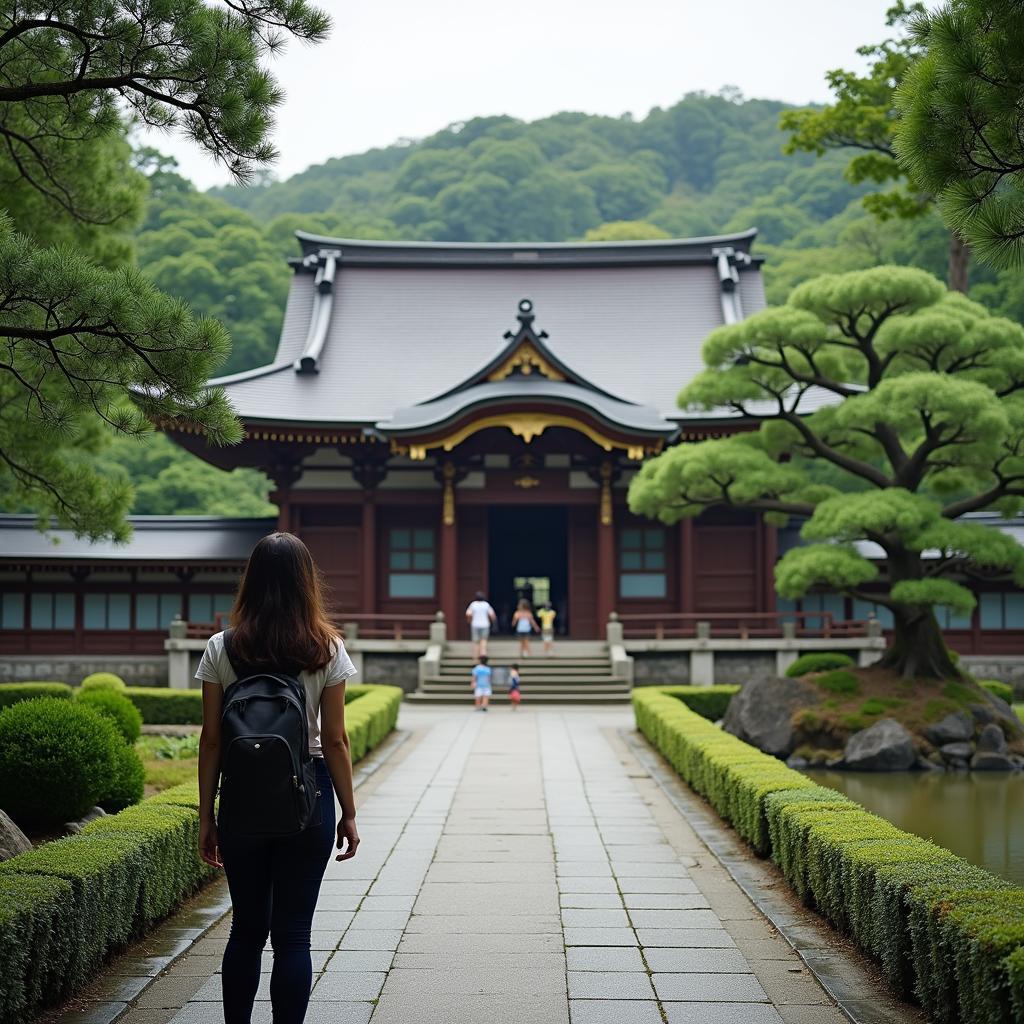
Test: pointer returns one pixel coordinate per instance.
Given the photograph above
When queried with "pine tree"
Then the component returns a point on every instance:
(86, 342)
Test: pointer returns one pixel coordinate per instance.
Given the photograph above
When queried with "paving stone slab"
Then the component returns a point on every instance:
(379, 919)
(609, 985)
(712, 938)
(604, 958)
(696, 961)
(674, 919)
(578, 936)
(462, 924)
(468, 1009)
(665, 901)
(591, 900)
(515, 982)
(590, 883)
(721, 1013)
(644, 884)
(337, 986)
(509, 942)
(553, 961)
(371, 939)
(345, 960)
(595, 918)
(613, 1011)
(725, 988)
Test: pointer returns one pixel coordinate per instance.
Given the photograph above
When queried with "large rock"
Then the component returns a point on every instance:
(991, 740)
(12, 840)
(762, 713)
(991, 761)
(956, 751)
(885, 746)
(955, 728)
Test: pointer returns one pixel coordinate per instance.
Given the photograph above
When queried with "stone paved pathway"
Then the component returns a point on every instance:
(522, 868)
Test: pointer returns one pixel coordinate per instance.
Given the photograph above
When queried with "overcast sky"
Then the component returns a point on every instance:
(403, 68)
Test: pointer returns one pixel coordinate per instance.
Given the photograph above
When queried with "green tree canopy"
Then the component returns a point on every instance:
(912, 396)
(90, 344)
(863, 119)
(959, 132)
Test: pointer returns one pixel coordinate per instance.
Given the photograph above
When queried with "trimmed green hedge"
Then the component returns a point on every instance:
(944, 931)
(161, 705)
(370, 714)
(65, 905)
(710, 702)
(11, 693)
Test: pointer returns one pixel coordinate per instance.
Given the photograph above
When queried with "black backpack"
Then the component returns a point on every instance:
(268, 781)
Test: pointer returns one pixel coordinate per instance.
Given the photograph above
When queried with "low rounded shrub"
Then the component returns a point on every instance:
(11, 693)
(838, 681)
(56, 760)
(118, 708)
(1001, 690)
(102, 681)
(818, 663)
(128, 781)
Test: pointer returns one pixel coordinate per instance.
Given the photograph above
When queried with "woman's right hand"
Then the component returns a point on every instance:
(209, 844)
(347, 834)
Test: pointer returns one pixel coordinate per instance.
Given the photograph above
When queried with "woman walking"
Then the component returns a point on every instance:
(523, 623)
(274, 736)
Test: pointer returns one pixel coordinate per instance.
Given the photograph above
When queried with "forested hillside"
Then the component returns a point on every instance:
(709, 164)
(706, 165)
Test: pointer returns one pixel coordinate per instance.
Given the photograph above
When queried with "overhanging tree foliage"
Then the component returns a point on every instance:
(863, 118)
(960, 131)
(913, 397)
(82, 344)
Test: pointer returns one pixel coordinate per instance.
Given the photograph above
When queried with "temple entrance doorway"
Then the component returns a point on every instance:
(528, 556)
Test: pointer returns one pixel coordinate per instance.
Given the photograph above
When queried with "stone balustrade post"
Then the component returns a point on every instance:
(179, 658)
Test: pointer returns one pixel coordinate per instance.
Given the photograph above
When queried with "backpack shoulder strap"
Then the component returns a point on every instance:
(238, 668)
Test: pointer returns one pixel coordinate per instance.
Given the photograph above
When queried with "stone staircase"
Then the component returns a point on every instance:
(578, 672)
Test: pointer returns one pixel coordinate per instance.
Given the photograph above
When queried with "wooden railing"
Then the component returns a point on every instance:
(739, 626)
(384, 627)
(369, 627)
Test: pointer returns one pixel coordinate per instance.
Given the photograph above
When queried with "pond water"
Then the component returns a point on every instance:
(978, 815)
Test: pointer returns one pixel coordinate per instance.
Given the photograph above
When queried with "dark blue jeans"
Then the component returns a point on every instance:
(274, 886)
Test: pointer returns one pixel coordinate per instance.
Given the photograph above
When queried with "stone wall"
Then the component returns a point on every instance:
(663, 669)
(135, 670)
(1004, 667)
(391, 669)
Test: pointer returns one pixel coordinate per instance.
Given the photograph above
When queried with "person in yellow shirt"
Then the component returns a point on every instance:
(547, 616)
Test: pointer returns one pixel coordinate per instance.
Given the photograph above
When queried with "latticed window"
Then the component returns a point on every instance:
(53, 611)
(642, 562)
(1001, 611)
(156, 611)
(411, 561)
(107, 611)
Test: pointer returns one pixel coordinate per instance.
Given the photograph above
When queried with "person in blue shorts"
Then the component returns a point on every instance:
(481, 683)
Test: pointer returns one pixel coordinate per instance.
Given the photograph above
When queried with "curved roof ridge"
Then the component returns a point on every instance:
(363, 243)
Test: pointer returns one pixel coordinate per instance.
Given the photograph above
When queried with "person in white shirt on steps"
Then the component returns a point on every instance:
(480, 616)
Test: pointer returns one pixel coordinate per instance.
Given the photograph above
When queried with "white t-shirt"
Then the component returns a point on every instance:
(215, 668)
(481, 613)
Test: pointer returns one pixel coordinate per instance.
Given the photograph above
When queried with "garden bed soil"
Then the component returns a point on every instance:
(854, 699)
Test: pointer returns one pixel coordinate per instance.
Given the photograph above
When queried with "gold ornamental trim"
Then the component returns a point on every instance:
(526, 358)
(528, 426)
(448, 500)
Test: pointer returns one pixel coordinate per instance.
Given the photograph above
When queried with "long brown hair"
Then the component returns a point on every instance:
(279, 619)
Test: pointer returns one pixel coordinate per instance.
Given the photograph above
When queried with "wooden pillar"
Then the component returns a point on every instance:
(605, 548)
(282, 497)
(369, 547)
(687, 569)
(448, 554)
(769, 555)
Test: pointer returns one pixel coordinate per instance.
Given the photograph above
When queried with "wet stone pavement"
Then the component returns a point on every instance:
(516, 868)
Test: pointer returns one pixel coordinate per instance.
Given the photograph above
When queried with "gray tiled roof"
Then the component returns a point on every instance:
(640, 418)
(155, 539)
(410, 323)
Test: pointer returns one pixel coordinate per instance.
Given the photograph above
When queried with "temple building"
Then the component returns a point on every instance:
(441, 419)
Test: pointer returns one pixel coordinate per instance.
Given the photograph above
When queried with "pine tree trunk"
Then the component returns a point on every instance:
(959, 259)
(918, 650)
